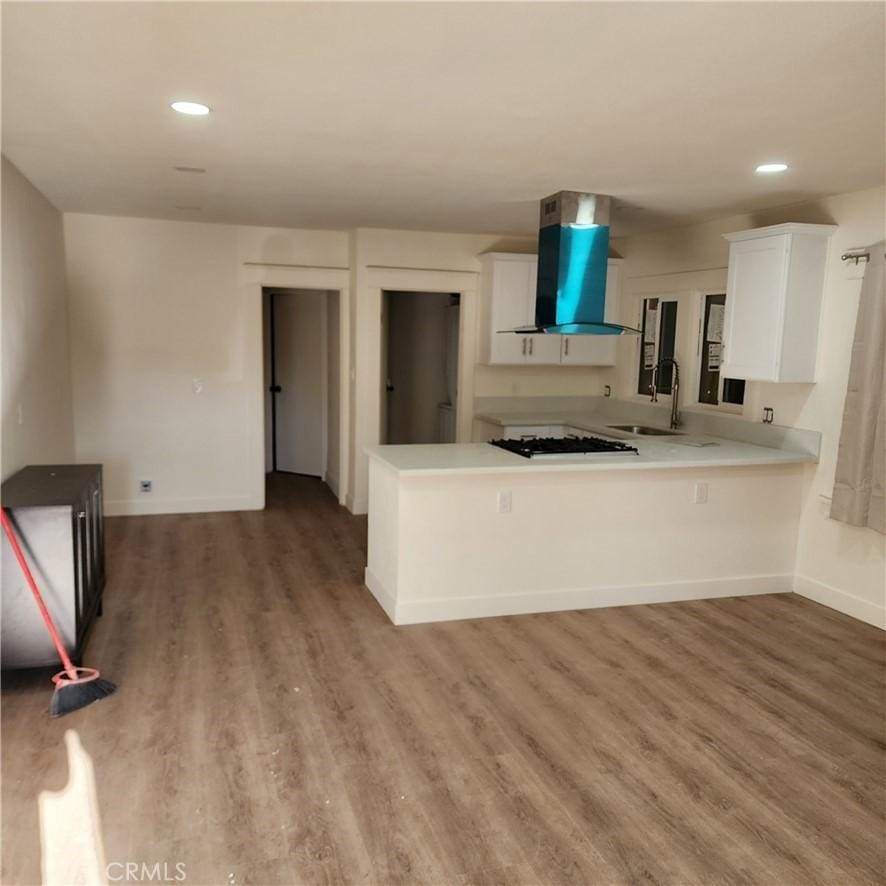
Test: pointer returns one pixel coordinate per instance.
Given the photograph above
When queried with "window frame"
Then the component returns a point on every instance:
(680, 297)
(694, 404)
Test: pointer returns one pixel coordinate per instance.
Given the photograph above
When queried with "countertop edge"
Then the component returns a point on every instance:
(530, 466)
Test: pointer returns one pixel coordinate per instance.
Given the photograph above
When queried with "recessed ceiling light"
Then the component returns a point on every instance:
(771, 167)
(195, 109)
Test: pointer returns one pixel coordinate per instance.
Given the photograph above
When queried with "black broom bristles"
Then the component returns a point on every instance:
(71, 696)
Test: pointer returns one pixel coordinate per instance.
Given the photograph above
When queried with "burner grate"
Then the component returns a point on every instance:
(563, 446)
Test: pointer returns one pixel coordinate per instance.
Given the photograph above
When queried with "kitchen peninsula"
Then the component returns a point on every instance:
(471, 530)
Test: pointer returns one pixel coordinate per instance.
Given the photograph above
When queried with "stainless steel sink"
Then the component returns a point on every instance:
(645, 430)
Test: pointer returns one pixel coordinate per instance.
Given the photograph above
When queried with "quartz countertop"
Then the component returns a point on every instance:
(686, 451)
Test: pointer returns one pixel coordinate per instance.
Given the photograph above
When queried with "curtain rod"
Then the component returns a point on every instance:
(856, 256)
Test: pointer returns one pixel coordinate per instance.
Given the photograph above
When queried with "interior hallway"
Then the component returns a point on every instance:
(271, 726)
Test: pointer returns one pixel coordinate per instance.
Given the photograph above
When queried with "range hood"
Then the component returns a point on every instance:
(573, 250)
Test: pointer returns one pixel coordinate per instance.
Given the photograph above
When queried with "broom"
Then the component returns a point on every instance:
(74, 687)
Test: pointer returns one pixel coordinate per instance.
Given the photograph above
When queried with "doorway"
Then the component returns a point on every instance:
(420, 346)
(301, 381)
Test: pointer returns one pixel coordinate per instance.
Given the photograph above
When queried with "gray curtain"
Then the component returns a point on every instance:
(861, 461)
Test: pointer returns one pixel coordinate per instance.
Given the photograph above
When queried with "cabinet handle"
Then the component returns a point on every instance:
(566, 347)
(531, 340)
(82, 515)
(524, 347)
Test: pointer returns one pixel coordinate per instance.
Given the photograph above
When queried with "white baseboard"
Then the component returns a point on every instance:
(842, 601)
(453, 608)
(332, 483)
(385, 599)
(357, 506)
(132, 507)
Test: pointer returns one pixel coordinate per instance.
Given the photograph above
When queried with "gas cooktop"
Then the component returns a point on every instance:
(563, 446)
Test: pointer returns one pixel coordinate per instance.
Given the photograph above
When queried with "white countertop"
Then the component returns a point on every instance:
(667, 452)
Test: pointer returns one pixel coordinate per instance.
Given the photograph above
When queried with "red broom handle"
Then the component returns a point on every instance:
(16, 549)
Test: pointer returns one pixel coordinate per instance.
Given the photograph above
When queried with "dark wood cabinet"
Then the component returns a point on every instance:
(58, 513)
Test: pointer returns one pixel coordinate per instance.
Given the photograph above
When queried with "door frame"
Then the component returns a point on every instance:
(324, 373)
(253, 278)
(384, 403)
(461, 283)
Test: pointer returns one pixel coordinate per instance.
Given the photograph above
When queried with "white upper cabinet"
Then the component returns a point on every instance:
(508, 285)
(596, 350)
(773, 302)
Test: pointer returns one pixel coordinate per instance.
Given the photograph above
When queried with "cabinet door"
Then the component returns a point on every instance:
(543, 350)
(99, 530)
(82, 566)
(588, 350)
(596, 350)
(754, 308)
(513, 305)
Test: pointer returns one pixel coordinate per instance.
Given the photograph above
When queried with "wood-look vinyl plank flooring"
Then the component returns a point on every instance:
(272, 727)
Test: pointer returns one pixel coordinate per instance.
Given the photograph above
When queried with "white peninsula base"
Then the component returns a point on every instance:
(576, 536)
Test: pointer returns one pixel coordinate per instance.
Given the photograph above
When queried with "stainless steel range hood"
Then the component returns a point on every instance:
(573, 250)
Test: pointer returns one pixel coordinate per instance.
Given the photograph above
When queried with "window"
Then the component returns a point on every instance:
(659, 326)
(709, 387)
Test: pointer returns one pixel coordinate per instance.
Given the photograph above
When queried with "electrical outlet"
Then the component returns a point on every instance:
(700, 493)
(144, 485)
(504, 502)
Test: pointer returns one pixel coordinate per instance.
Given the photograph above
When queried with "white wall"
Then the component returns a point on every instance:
(840, 565)
(156, 304)
(159, 309)
(376, 249)
(38, 425)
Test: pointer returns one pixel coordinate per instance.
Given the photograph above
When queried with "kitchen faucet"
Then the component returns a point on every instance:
(675, 388)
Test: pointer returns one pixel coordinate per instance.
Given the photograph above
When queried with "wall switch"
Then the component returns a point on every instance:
(144, 485)
(504, 502)
(700, 493)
